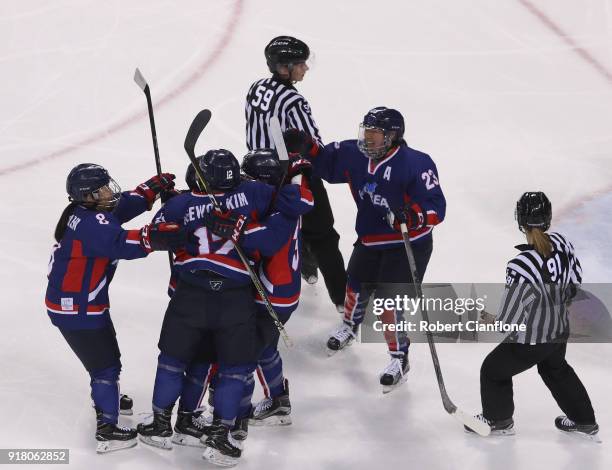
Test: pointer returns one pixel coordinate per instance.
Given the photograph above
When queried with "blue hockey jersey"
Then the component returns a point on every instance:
(404, 175)
(278, 240)
(83, 263)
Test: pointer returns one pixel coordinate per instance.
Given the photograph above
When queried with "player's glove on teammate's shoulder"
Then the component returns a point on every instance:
(154, 186)
(298, 166)
(162, 236)
(300, 142)
(228, 224)
(411, 214)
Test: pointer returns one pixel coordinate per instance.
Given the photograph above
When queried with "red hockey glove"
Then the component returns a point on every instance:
(411, 214)
(298, 166)
(226, 224)
(298, 141)
(152, 188)
(162, 236)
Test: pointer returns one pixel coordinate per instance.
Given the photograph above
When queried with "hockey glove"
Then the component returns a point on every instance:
(162, 236)
(298, 166)
(152, 188)
(411, 214)
(226, 224)
(298, 141)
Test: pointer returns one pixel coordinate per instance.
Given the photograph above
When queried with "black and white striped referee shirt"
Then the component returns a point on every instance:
(537, 290)
(272, 97)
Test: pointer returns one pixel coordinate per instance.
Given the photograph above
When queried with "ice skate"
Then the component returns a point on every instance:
(341, 338)
(273, 411)
(395, 374)
(157, 430)
(240, 431)
(111, 437)
(189, 428)
(503, 427)
(221, 448)
(126, 405)
(584, 431)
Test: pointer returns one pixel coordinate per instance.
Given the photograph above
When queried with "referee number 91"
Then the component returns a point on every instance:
(36, 455)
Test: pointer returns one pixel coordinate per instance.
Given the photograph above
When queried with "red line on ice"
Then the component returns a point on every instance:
(168, 97)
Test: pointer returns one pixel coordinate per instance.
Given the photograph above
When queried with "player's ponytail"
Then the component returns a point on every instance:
(540, 241)
(62, 223)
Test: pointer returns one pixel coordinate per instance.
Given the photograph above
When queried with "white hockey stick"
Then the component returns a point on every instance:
(470, 421)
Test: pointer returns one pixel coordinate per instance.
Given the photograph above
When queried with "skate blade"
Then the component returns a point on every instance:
(580, 435)
(187, 440)
(156, 441)
(111, 446)
(277, 420)
(217, 458)
(390, 388)
(126, 412)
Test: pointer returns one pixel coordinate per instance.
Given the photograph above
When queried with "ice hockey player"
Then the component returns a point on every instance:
(540, 283)
(389, 182)
(213, 305)
(90, 241)
(278, 240)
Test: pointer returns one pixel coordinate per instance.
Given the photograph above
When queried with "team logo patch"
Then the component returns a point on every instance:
(67, 303)
(215, 285)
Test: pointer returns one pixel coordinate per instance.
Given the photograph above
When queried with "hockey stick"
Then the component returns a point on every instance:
(467, 420)
(144, 86)
(196, 128)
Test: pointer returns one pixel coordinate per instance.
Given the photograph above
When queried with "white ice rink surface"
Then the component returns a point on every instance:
(500, 99)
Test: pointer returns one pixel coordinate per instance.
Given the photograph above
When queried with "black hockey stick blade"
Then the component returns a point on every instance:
(196, 128)
(140, 80)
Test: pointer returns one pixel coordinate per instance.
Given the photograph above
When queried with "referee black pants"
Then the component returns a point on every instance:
(320, 241)
(510, 359)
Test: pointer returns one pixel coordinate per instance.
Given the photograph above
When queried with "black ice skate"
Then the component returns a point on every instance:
(585, 431)
(221, 448)
(157, 431)
(395, 374)
(125, 405)
(189, 428)
(240, 431)
(273, 411)
(503, 427)
(341, 338)
(111, 437)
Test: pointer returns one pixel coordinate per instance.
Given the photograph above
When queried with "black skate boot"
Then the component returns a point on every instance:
(240, 431)
(341, 338)
(273, 411)
(504, 427)
(157, 431)
(125, 405)
(586, 431)
(221, 448)
(111, 437)
(394, 374)
(189, 428)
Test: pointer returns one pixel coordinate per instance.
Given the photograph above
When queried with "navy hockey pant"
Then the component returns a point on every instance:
(98, 351)
(384, 274)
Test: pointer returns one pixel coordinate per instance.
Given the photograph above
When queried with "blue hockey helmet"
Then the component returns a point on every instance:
(263, 165)
(285, 50)
(220, 169)
(191, 178)
(390, 122)
(85, 185)
(533, 210)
